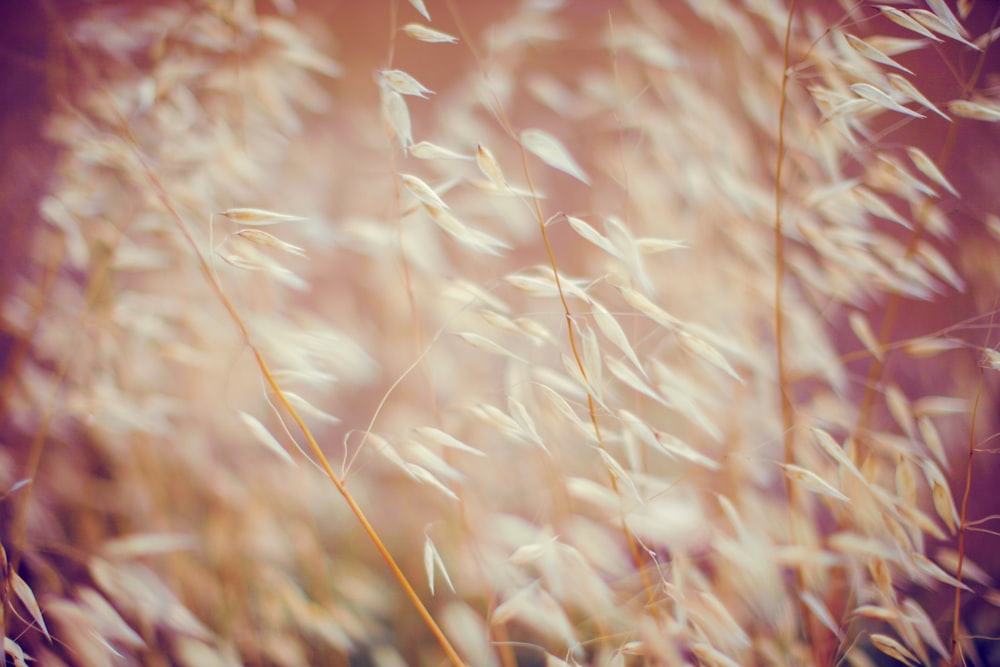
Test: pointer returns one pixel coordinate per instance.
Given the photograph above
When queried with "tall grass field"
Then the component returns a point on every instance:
(538, 333)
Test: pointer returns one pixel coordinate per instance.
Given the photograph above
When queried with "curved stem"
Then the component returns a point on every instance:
(244, 332)
(505, 124)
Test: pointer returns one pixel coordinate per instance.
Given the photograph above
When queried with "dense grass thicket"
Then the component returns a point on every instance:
(541, 333)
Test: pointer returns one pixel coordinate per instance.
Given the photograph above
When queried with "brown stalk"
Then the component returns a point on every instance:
(237, 320)
(40, 438)
(964, 512)
(787, 407)
(895, 300)
(877, 367)
(956, 615)
(591, 408)
(567, 312)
